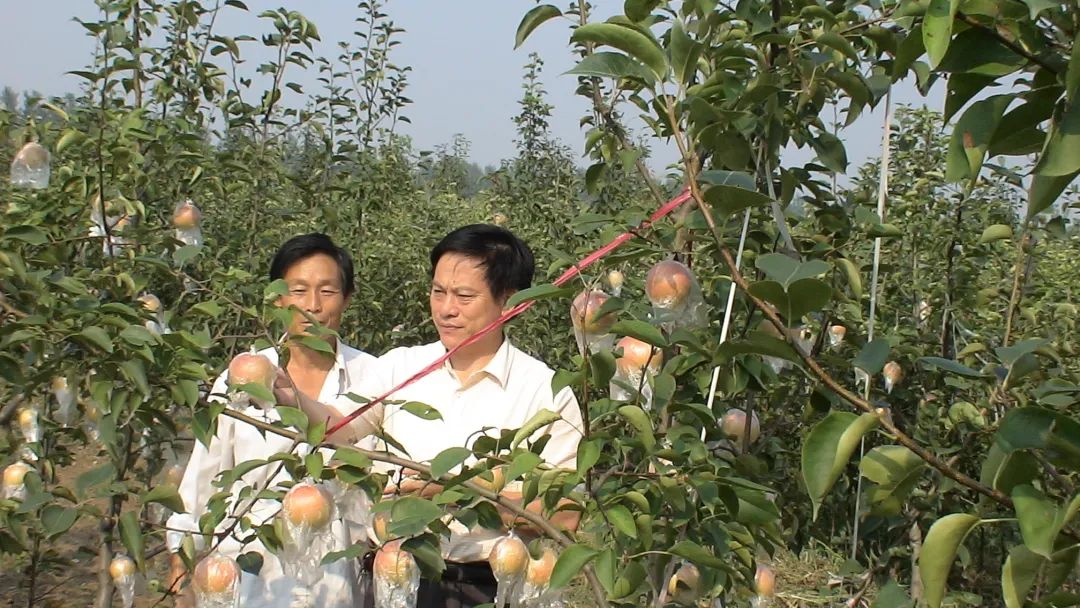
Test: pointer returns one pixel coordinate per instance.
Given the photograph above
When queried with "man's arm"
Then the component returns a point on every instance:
(285, 393)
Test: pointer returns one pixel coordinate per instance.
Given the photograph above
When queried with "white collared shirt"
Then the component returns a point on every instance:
(505, 394)
(236, 442)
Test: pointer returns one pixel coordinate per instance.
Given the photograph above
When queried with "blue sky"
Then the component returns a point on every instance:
(466, 74)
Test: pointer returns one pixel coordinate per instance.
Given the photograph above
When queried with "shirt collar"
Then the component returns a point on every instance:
(498, 369)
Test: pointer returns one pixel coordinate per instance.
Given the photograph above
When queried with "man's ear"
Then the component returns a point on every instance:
(506, 298)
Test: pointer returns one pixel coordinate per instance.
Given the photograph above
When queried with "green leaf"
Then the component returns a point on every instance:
(411, 515)
(313, 463)
(606, 64)
(891, 467)
(352, 457)
(523, 463)
(786, 271)
(1045, 190)
(938, 552)
(27, 234)
(167, 495)
(539, 420)
(996, 232)
(937, 28)
(830, 151)
(873, 356)
(98, 337)
(728, 199)
(1018, 575)
(1072, 74)
(421, 410)
(684, 54)
(803, 297)
(532, 20)
(291, 416)
(1036, 428)
(948, 365)
(701, 556)
(827, 449)
(447, 460)
(640, 421)
(621, 520)
(353, 552)
(851, 273)
(132, 537)
(570, 563)
(317, 344)
(1062, 154)
(56, 519)
(628, 40)
(640, 330)
(639, 10)
(892, 595)
(588, 454)
(538, 292)
(835, 41)
(1040, 519)
(972, 136)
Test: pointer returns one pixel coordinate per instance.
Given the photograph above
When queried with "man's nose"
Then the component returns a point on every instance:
(314, 302)
(448, 307)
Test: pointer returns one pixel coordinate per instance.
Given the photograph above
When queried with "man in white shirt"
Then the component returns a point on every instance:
(319, 280)
(489, 383)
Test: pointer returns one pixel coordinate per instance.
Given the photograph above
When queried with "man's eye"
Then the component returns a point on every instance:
(329, 292)
(297, 291)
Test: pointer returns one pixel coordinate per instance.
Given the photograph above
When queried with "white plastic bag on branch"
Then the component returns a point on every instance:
(397, 577)
(107, 223)
(635, 370)
(92, 415)
(764, 586)
(152, 304)
(676, 296)
(65, 401)
(836, 335)
(14, 487)
(30, 429)
(509, 559)
(187, 219)
(31, 167)
(122, 571)
(217, 582)
(307, 512)
(536, 591)
(684, 586)
(591, 330)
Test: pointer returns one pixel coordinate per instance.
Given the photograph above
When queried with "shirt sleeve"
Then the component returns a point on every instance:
(196, 487)
(561, 449)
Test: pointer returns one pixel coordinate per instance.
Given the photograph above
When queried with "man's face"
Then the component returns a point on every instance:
(314, 287)
(461, 301)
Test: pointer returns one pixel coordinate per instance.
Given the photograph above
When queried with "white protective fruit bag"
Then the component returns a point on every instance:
(31, 167)
(216, 582)
(591, 330)
(396, 575)
(307, 513)
(509, 560)
(675, 295)
(635, 369)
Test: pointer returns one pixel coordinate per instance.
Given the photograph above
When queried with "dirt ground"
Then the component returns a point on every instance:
(70, 577)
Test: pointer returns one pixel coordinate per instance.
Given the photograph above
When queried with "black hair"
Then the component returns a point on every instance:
(304, 246)
(507, 261)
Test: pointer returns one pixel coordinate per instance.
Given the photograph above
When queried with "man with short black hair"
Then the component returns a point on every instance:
(318, 276)
(489, 383)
